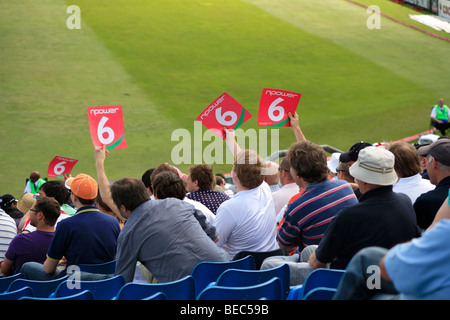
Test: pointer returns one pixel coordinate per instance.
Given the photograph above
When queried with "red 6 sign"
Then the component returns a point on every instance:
(274, 107)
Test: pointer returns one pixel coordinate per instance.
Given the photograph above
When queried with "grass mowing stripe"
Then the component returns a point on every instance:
(49, 76)
(186, 53)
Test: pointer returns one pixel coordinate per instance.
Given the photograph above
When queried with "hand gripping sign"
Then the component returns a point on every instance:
(223, 112)
(60, 166)
(106, 125)
(274, 107)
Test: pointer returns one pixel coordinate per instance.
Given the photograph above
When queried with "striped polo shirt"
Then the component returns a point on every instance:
(307, 218)
(8, 230)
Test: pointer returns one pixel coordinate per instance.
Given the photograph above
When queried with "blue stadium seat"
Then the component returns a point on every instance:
(244, 278)
(5, 282)
(156, 296)
(322, 277)
(82, 295)
(183, 289)
(40, 288)
(15, 295)
(105, 289)
(206, 272)
(270, 290)
(320, 293)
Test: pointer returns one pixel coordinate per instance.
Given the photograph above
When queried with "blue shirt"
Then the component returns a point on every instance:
(419, 269)
(90, 236)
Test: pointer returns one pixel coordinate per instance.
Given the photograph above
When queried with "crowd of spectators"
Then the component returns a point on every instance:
(370, 203)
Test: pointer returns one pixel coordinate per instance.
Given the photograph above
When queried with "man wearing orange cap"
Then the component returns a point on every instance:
(89, 237)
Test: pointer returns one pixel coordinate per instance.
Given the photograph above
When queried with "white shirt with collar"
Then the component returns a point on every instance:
(413, 186)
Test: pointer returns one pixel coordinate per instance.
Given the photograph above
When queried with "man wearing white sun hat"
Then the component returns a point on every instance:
(381, 218)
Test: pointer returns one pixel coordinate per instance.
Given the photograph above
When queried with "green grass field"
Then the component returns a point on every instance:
(165, 61)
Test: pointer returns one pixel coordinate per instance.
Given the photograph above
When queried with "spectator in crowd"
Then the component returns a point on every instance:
(168, 184)
(381, 218)
(333, 163)
(103, 207)
(271, 177)
(200, 185)
(9, 204)
(53, 189)
(8, 230)
(147, 181)
(165, 167)
(289, 187)
(415, 270)
(407, 167)
(440, 116)
(34, 183)
(438, 168)
(307, 218)
(351, 155)
(33, 246)
(57, 189)
(343, 173)
(162, 234)
(89, 237)
(421, 151)
(247, 222)
(25, 203)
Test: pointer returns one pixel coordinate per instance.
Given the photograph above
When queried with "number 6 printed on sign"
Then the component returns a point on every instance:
(275, 106)
(60, 166)
(106, 126)
(226, 112)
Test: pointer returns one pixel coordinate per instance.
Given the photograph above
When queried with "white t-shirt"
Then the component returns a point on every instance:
(8, 230)
(247, 222)
(413, 186)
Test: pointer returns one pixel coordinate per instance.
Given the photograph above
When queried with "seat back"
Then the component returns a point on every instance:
(244, 278)
(320, 293)
(270, 290)
(260, 256)
(206, 272)
(5, 282)
(183, 289)
(156, 296)
(102, 268)
(82, 295)
(328, 278)
(105, 289)
(40, 288)
(17, 294)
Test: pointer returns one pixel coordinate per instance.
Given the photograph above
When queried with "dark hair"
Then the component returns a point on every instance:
(168, 184)
(219, 180)
(146, 179)
(129, 192)
(309, 161)
(50, 208)
(248, 166)
(204, 175)
(56, 189)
